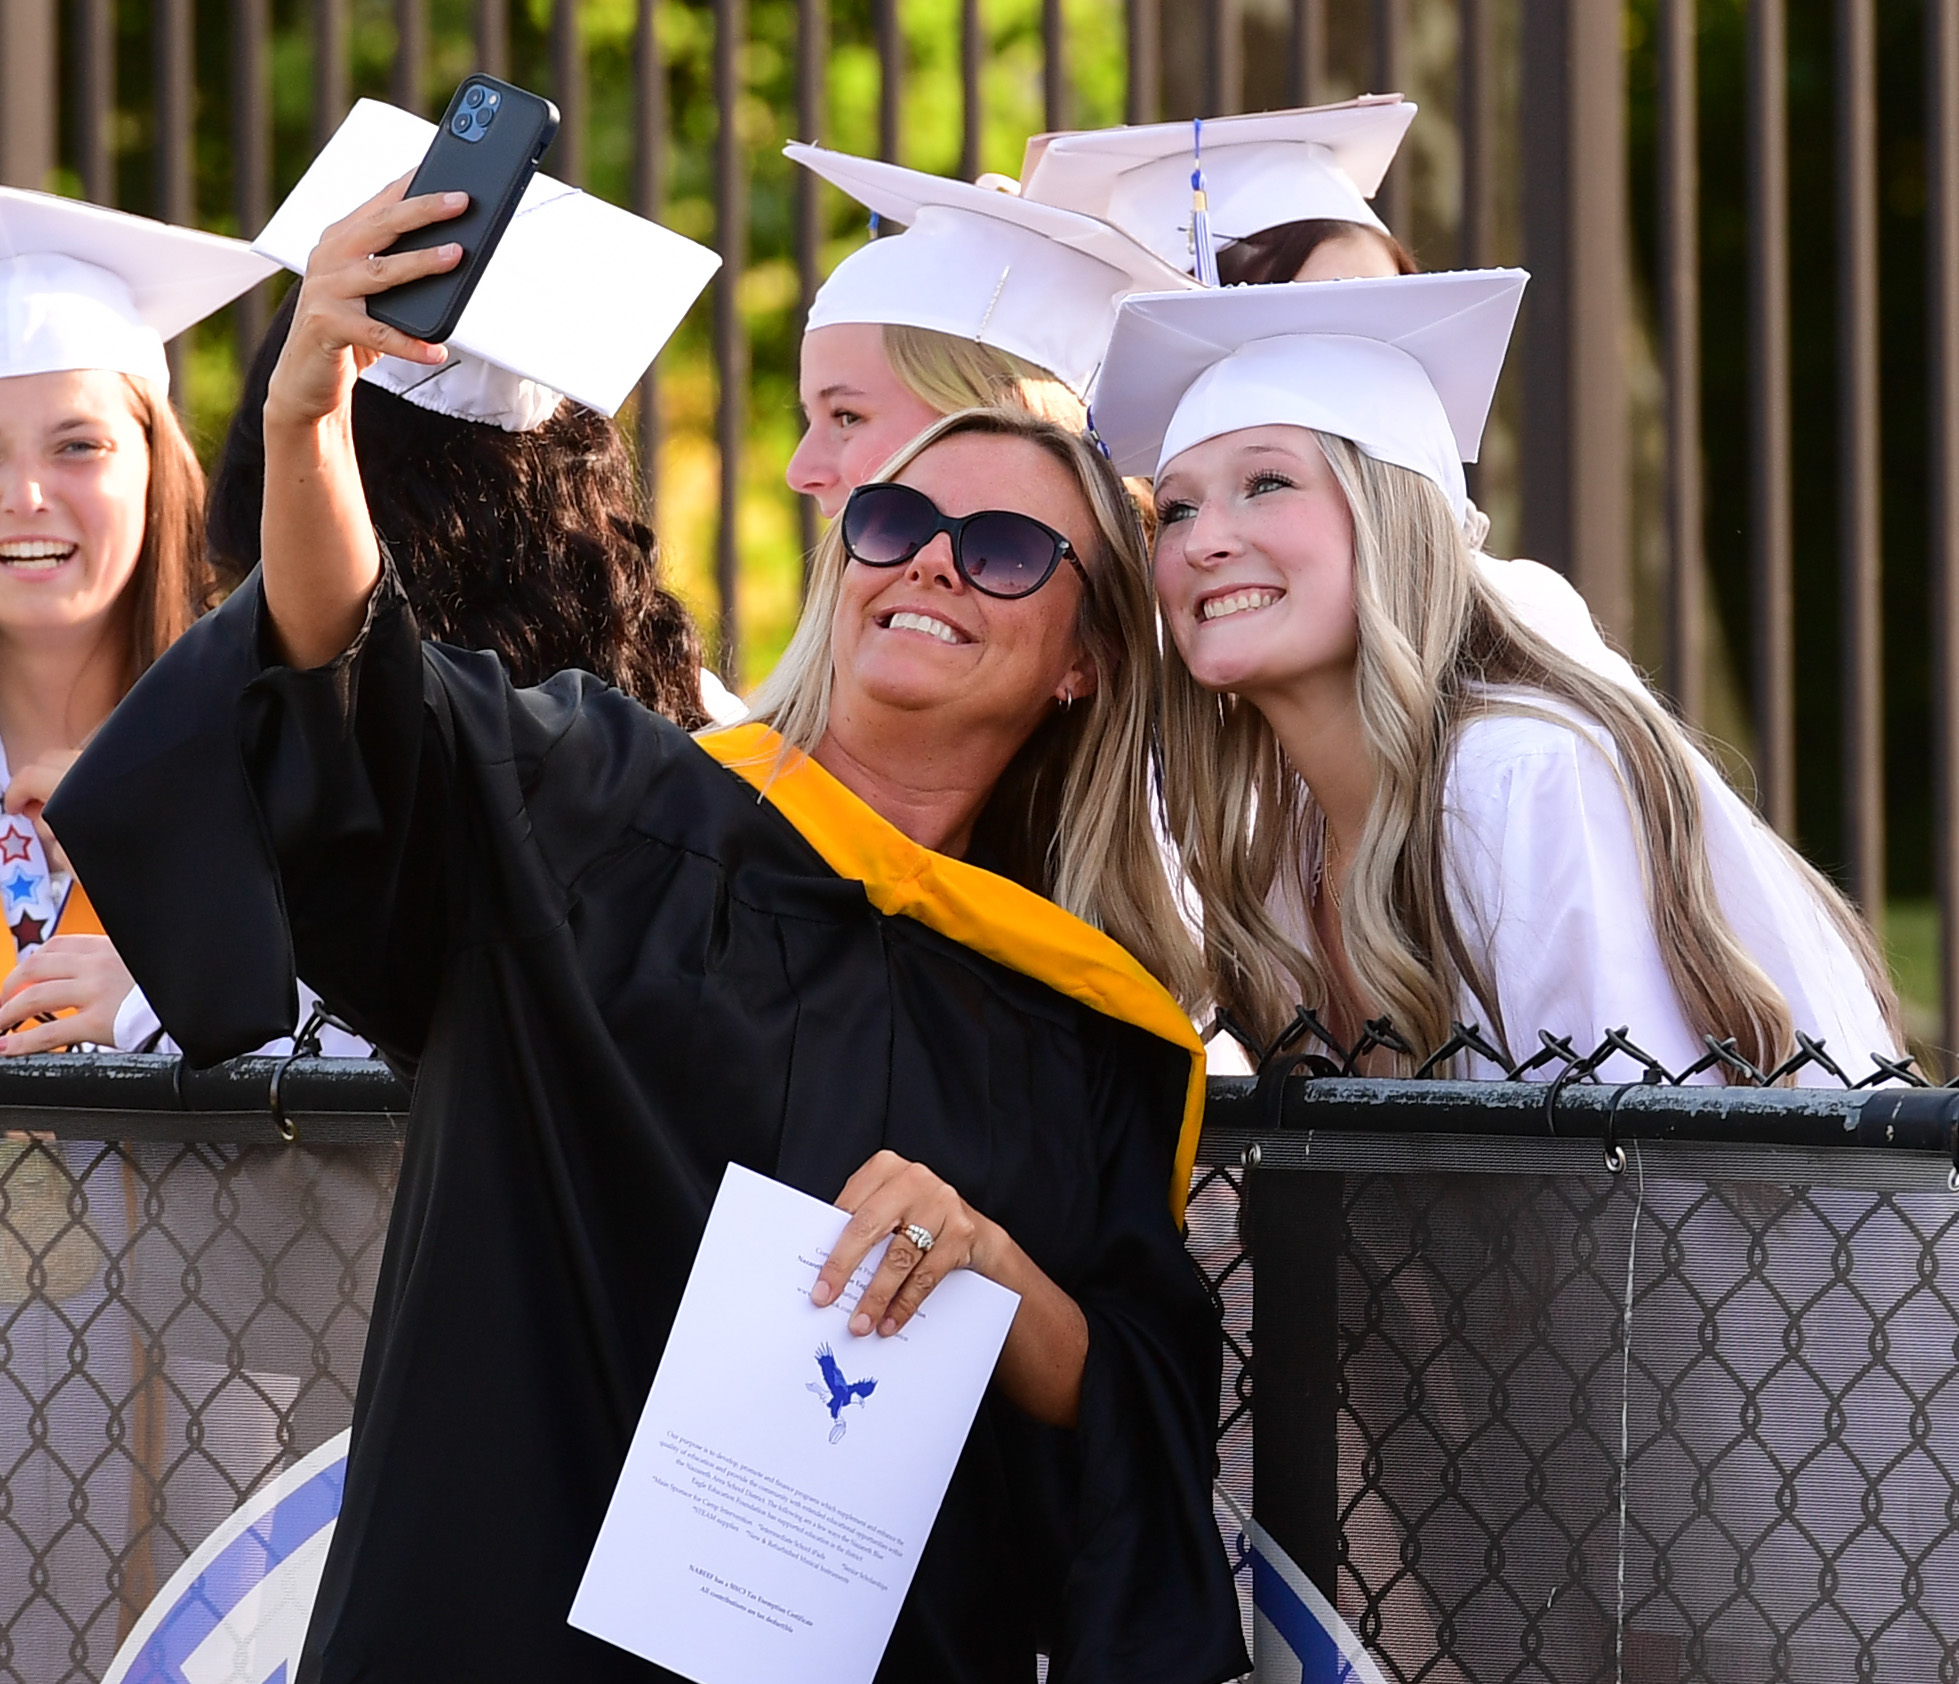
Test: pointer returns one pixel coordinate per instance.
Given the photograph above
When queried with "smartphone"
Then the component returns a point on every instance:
(488, 146)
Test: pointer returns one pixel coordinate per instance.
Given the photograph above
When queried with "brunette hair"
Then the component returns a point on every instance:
(173, 582)
(1071, 817)
(530, 544)
(1275, 255)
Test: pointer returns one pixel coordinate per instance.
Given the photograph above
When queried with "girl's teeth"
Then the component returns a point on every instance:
(1218, 607)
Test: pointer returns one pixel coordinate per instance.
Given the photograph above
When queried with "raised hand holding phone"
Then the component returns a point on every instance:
(487, 146)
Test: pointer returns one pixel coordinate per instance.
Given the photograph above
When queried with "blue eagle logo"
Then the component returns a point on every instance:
(836, 1391)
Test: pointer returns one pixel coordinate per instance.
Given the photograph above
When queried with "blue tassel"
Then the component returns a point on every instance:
(875, 230)
(1203, 254)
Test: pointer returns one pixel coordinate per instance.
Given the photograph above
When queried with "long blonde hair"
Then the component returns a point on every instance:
(1070, 818)
(1434, 640)
(952, 374)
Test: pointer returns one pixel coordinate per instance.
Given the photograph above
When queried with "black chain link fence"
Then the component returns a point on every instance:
(1694, 1420)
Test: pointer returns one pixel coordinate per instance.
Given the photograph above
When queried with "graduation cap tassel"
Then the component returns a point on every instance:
(1203, 253)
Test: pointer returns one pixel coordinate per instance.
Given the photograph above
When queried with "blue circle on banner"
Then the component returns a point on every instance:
(236, 1611)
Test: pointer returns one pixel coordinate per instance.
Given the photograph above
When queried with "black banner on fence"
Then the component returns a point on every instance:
(1698, 1420)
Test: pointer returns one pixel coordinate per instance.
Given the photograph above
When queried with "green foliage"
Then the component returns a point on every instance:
(768, 294)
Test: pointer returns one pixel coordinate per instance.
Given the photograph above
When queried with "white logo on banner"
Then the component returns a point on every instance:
(236, 1612)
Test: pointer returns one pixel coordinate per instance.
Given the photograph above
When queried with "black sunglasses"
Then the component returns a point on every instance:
(996, 551)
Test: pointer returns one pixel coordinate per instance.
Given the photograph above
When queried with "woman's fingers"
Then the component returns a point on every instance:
(909, 1273)
(862, 1231)
(333, 337)
(886, 1195)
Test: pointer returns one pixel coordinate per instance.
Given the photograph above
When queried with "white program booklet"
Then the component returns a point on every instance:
(785, 1473)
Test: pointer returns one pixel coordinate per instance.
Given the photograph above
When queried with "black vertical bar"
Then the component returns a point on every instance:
(812, 92)
(1942, 249)
(1306, 75)
(1572, 450)
(1860, 538)
(1390, 36)
(649, 199)
(251, 149)
(1476, 119)
(1225, 65)
(568, 91)
(29, 54)
(1680, 328)
(730, 344)
(175, 148)
(493, 37)
(1296, 1230)
(1054, 66)
(1771, 536)
(329, 67)
(95, 88)
(1144, 100)
(972, 102)
(408, 76)
(890, 81)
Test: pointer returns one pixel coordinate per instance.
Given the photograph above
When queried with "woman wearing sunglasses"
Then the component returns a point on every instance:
(858, 944)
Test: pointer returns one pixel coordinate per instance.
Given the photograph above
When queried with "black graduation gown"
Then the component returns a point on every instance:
(616, 969)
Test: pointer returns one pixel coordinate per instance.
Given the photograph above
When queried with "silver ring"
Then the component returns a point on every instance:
(919, 1236)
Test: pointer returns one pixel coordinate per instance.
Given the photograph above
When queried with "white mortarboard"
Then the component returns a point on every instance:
(85, 287)
(578, 299)
(1261, 170)
(984, 265)
(1404, 366)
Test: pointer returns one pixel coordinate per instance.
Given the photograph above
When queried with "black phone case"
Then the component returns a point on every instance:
(494, 171)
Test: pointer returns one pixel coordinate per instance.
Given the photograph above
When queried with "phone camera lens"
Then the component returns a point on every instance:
(474, 97)
(462, 124)
(486, 116)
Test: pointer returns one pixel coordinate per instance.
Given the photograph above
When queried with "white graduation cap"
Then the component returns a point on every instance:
(1260, 170)
(85, 287)
(980, 264)
(578, 299)
(1404, 366)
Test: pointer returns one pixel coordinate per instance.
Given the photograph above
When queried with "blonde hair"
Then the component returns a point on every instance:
(952, 374)
(1071, 816)
(1433, 638)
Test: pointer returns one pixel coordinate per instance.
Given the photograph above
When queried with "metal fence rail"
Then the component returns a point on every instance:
(1520, 1415)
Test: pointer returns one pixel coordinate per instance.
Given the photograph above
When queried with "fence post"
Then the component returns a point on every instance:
(251, 152)
(493, 37)
(730, 342)
(1144, 101)
(1572, 449)
(1771, 534)
(408, 77)
(1942, 251)
(1860, 535)
(329, 68)
(649, 197)
(1680, 331)
(173, 21)
(568, 90)
(95, 99)
(812, 98)
(1390, 31)
(27, 71)
(1295, 1232)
